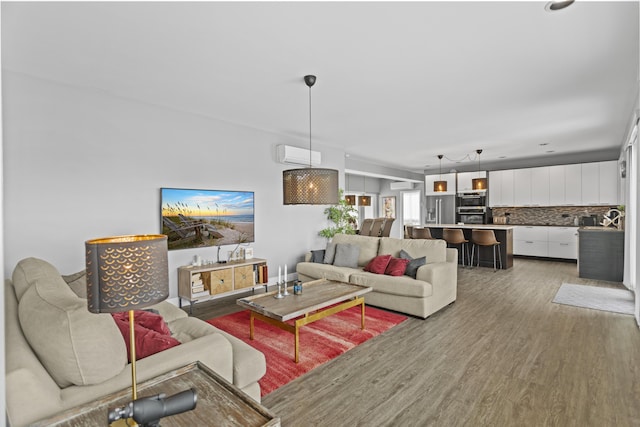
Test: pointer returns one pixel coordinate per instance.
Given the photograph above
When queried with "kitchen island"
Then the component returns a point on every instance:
(504, 235)
(601, 253)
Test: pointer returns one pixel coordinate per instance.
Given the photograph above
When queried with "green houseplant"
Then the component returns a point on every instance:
(343, 217)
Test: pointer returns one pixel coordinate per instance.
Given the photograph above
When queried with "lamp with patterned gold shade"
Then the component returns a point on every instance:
(310, 186)
(125, 273)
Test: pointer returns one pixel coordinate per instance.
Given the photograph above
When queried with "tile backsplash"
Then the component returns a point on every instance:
(550, 215)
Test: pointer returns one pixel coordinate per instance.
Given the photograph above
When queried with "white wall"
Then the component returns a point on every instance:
(81, 164)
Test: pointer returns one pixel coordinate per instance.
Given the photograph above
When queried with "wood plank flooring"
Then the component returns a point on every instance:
(502, 355)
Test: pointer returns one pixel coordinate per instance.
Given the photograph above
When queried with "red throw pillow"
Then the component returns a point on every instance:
(148, 341)
(396, 267)
(378, 265)
(150, 320)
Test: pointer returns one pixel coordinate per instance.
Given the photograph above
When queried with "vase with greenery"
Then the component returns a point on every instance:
(343, 216)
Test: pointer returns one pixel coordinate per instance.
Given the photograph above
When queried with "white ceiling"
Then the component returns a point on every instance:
(398, 83)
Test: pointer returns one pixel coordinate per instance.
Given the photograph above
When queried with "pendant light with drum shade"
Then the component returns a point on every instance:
(349, 198)
(310, 186)
(479, 183)
(440, 186)
(364, 200)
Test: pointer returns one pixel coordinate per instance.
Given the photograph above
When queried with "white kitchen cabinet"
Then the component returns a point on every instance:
(573, 184)
(590, 184)
(430, 179)
(543, 241)
(522, 187)
(501, 188)
(608, 183)
(563, 185)
(530, 240)
(563, 242)
(556, 185)
(540, 186)
(465, 180)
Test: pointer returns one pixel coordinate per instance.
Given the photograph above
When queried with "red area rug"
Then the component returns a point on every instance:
(320, 341)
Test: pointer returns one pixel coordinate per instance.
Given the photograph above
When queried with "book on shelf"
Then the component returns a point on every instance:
(196, 282)
(200, 294)
(197, 289)
(195, 276)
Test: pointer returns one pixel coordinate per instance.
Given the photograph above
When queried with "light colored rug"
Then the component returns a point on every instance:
(605, 299)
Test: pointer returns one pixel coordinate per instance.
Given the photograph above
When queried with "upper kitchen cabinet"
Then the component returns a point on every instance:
(609, 183)
(501, 189)
(590, 184)
(531, 187)
(572, 185)
(557, 189)
(465, 180)
(540, 186)
(564, 185)
(600, 183)
(522, 187)
(429, 180)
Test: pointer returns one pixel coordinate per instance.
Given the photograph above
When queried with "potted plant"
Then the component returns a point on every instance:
(343, 216)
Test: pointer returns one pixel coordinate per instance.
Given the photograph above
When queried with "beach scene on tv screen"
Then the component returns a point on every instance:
(198, 218)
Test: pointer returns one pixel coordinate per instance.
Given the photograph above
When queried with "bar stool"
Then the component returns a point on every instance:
(408, 231)
(485, 238)
(421, 233)
(455, 236)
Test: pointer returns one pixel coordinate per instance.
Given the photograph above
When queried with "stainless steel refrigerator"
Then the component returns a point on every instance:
(441, 209)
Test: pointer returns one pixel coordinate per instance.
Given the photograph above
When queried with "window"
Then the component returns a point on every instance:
(411, 208)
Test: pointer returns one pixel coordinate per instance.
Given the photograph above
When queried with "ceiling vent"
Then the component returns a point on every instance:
(298, 156)
(401, 185)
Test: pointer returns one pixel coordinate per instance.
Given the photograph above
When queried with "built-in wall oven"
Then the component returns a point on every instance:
(472, 199)
(471, 215)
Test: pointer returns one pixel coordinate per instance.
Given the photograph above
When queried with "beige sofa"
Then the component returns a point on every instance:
(59, 355)
(434, 287)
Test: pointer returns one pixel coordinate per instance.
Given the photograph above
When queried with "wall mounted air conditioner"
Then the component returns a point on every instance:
(401, 185)
(297, 156)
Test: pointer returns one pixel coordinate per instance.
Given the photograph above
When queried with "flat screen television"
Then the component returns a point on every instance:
(200, 218)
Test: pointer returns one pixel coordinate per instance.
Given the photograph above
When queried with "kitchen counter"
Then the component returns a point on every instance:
(504, 235)
(472, 226)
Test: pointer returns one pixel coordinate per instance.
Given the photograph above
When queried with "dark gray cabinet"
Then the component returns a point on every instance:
(601, 254)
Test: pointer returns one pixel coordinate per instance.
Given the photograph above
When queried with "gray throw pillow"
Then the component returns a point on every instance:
(330, 253)
(317, 256)
(346, 255)
(414, 263)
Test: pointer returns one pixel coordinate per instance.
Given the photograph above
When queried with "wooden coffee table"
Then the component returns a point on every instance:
(319, 299)
(219, 403)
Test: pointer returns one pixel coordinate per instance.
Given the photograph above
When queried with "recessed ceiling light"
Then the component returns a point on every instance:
(550, 151)
(557, 5)
(502, 157)
(542, 144)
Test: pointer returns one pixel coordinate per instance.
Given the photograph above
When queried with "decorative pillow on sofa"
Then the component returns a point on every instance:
(77, 282)
(396, 267)
(74, 345)
(317, 256)
(379, 264)
(414, 263)
(346, 255)
(330, 253)
(151, 333)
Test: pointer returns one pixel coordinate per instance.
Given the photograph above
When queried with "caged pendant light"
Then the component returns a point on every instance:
(310, 186)
(479, 183)
(440, 186)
